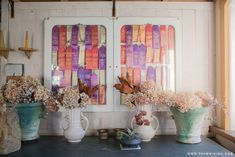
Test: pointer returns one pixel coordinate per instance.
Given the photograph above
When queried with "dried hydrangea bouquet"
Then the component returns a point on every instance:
(74, 99)
(141, 97)
(30, 98)
(188, 110)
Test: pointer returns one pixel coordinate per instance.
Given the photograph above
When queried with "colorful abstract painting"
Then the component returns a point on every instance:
(79, 51)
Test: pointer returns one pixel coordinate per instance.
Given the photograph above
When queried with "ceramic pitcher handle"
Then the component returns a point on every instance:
(132, 126)
(65, 122)
(87, 121)
(157, 123)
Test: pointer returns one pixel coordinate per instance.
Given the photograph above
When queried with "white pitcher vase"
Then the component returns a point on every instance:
(146, 126)
(73, 130)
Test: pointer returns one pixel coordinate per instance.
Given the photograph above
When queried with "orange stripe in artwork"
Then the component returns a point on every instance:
(142, 33)
(68, 60)
(137, 76)
(163, 55)
(123, 54)
(156, 56)
(149, 35)
(123, 72)
(135, 33)
(67, 78)
(62, 37)
(123, 34)
(163, 43)
(61, 58)
(101, 95)
(88, 59)
(149, 55)
(95, 58)
(92, 58)
(171, 37)
(163, 35)
(94, 37)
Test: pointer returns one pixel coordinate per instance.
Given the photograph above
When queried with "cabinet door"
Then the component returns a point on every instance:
(80, 47)
(147, 49)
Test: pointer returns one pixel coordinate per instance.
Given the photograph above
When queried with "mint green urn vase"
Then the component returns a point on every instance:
(189, 124)
(29, 116)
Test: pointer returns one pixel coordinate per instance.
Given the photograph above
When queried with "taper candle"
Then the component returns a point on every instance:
(26, 40)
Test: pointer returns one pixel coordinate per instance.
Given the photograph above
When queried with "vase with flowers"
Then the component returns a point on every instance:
(142, 98)
(74, 100)
(30, 98)
(10, 134)
(189, 110)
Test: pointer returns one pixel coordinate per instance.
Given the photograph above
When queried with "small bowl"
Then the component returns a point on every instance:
(130, 142)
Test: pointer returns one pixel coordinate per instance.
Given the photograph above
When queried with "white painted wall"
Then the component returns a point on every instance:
(198, 48)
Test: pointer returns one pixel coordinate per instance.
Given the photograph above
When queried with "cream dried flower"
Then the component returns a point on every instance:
(84, 99)
(186, 101)
(51, 104)
(164, 98)
(71, 98)
(25, 90)
(41, 94)
(147, 86)
(207, 99)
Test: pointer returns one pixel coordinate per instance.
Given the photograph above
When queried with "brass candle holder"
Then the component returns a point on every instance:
(28, 51)
(3, 50)
(103, 134)
(118, 133)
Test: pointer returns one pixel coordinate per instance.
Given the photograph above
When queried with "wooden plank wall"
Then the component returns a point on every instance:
(198, 44)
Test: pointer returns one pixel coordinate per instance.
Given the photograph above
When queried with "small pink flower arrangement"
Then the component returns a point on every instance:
(140, 120)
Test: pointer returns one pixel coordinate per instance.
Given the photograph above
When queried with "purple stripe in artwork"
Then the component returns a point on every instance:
(75, 55)
(74, 37)
(55, 38)
(129, 55)
(102, 58)
(87, 77)
(136, 55)
(81, 74)
(156, 37)
(142, 56)
(94, 82)
(151, 73)
(128, 34)
(88, 37)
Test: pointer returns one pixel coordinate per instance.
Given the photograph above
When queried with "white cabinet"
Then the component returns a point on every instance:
(80, 47)
(145, 48)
